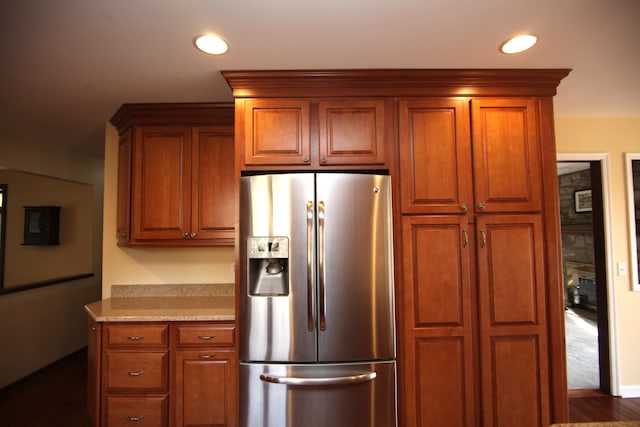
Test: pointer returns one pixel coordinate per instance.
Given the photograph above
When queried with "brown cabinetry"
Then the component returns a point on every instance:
(134, 374)
(313, 133)
(471, 154)
(205, 375)
(176, 182)
(94, 351)
(162, 374)
(475, 296)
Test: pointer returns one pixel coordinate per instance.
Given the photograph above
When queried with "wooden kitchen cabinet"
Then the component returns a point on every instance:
(134, 374)
(509, 301)
(205, 372)
(447, 167)
(435, 154)
(474, 164)
(440, 367)
(176, 183)
(507, 165)
(314, 133)
(94, 351)
(162, 374)
(472, 157)
(513, 325)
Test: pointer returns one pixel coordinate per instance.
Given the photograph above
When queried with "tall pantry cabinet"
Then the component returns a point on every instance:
(472, 192)
(479, 300)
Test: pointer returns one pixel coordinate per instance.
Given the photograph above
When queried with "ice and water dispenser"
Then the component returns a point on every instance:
(268, 261)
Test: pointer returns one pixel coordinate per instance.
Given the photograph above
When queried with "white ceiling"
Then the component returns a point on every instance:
(67, 65)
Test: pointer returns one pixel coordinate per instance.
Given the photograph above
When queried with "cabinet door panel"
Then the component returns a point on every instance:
(277, 132)
(161, 183)
(442, 394)
(205, 388)
(506, 155)
(439, 379)
(512, 320)
(351, 132)
(213, 185)
(435, 156)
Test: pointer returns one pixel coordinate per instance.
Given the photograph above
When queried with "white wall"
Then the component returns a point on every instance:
(613, 137)
(40, 326)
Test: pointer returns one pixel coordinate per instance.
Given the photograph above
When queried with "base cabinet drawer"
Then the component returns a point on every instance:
(139, 411)
(136, 371)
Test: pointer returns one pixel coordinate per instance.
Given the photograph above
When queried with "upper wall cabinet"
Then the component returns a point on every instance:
(176, 182)
(310, 133)
(446, 167)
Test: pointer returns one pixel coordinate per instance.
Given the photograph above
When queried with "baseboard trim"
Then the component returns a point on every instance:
(630, 391)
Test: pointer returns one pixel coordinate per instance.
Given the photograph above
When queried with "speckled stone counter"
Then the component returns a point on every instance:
(147, 303)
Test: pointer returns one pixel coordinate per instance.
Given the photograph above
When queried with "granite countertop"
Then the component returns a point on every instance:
(147, 303)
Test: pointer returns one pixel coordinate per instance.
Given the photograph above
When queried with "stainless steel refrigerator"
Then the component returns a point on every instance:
(317, 327)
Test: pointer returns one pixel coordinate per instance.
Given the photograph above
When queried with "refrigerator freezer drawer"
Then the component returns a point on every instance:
(319, 395)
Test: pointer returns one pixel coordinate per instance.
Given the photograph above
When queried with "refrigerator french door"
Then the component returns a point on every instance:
(317, 328)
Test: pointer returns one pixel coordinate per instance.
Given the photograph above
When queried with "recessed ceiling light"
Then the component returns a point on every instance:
(518, 44)
(211, 44)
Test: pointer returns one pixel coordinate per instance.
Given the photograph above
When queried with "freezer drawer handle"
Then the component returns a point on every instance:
(350, 379)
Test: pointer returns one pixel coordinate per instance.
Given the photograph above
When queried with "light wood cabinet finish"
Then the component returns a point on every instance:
(176, 182)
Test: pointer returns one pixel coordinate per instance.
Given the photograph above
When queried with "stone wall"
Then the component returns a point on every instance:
(577, 227)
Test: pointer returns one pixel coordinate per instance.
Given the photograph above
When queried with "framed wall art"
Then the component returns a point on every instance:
(583, 200)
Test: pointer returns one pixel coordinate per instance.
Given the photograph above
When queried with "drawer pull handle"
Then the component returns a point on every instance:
(138, 418)
(207, 356)
(135, 337)
(135, 374)
(206, 337)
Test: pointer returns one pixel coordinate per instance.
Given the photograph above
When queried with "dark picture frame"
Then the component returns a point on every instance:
(41, 225)
(583, 201)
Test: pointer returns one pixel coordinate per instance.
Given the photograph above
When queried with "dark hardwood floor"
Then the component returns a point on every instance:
(56, 397)
(52, 397)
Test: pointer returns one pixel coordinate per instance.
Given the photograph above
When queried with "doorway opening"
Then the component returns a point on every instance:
(584, 261)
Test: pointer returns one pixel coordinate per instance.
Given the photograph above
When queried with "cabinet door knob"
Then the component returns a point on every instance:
(481, 206)
(185, 234)
(463, 208)
(193, 235)
(323, 159)
(305, 158)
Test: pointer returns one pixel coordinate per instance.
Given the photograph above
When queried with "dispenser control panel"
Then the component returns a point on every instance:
(268, 247)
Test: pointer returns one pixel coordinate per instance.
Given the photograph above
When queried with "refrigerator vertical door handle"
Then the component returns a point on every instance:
(321, 267)
(310, 297)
